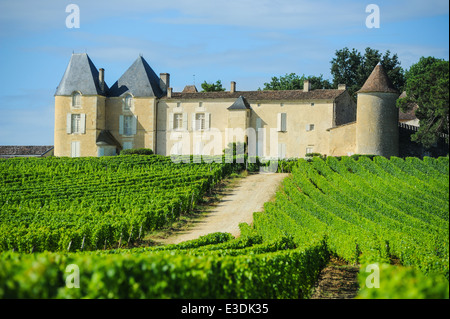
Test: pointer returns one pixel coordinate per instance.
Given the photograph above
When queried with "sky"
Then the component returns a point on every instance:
(246, 41)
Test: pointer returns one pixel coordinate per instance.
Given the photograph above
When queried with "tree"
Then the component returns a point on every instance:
(352, 68)
(294, 82)
(427, 87)
(212, 87)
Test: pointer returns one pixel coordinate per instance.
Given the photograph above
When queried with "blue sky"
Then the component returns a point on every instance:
(247, 41)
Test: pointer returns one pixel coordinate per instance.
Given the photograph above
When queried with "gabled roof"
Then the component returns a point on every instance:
(80, 75)
(378, 81)
(106, 138)
(139, 80)
(240, 104)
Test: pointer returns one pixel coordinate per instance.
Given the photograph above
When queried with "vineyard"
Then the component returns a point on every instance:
(360, 210)
(93, 203)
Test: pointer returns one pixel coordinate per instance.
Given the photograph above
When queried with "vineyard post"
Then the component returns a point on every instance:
(131, 233)
(82, 243)
(70, 243)
(120, 240)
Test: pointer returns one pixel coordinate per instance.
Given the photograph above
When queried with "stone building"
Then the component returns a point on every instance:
(141, 110)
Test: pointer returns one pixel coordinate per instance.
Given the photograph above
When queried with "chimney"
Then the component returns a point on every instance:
(101, 79)
(306, 86)
(169, 92)
(164, 82)
(233, 87)
(342, 87)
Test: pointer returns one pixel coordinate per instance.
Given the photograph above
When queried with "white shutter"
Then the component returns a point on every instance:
(83, 123)
(279, 122)
(69, 124)
(193, 122)
(171, 121)
(258, 123)
(121, 124)
(207, 121)
(283, 122)
(134, 125)
(185, 121)
(75, 149)
(307, 127)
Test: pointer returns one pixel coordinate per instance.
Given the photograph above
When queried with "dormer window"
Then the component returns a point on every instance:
(76, 99)
(128, 102)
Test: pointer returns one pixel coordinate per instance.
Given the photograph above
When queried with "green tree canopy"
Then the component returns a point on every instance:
(212, 87)
(294, 82)
(352, 68)
(427, 87)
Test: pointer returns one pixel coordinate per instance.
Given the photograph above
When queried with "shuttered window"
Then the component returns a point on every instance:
(76, 100)
(76, 123)
(127, 124)
(281, 122)
(75, 149)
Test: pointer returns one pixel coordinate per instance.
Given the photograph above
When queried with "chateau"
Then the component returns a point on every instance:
(141, 110)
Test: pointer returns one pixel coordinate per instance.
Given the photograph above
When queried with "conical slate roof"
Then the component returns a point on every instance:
(378, 81)
(139, 80)
(240, 104)
(81, 75)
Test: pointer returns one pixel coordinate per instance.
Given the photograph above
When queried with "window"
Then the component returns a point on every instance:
(312, 104)
(127, 145)
(128, 102)
(75, 149)
(281, 104)
(177, 121)
(128, 125)
(76, 99)
(309, 127)
(200, 121)
(281, 122)
(76, 123)
(309, 150)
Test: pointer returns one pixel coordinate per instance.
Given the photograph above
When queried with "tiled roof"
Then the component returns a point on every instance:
(261, 95)
(378, 81)
(12, 150)
(190, 89)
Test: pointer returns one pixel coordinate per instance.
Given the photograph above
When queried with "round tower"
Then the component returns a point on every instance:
(377, 116)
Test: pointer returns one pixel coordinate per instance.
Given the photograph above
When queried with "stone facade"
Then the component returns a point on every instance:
(141, 110)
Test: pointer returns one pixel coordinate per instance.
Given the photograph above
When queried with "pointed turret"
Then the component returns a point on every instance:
(140, 80)
(377, 116)
(378, 81)
(81, 75)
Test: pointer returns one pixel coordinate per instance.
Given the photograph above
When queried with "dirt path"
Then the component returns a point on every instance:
(236, 207)
(337, 281)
